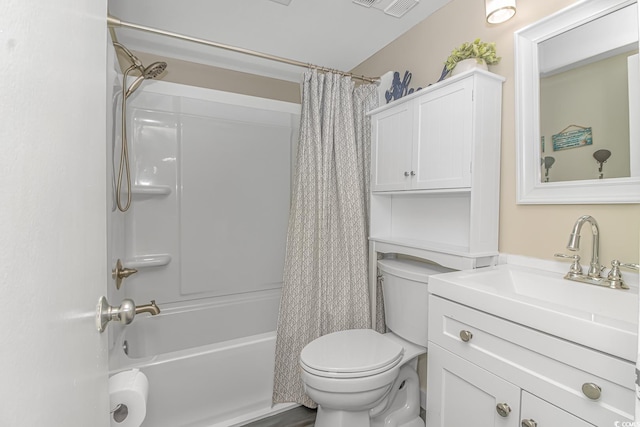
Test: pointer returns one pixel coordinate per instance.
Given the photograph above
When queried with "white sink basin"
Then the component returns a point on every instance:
(598, 317)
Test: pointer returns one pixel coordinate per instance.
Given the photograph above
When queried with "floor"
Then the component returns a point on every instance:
(296, 417)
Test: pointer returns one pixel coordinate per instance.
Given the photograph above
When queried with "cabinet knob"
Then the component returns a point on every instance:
(503, 409)
(466, 335)
(406, 173)
(413, 173)
(591, 390)
(529, 423)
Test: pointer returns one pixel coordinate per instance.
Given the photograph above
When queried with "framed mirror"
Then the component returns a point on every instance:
(577, 78)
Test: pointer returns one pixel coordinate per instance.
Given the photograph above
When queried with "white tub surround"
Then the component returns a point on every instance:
(206, 231)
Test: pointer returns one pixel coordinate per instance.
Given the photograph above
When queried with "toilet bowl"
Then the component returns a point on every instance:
(361, 378)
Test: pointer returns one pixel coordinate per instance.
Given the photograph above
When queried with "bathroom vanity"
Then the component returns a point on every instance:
(517, 346)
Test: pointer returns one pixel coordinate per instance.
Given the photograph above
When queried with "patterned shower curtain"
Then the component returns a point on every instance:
(325, 275)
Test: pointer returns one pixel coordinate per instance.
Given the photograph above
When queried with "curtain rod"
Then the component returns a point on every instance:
(115, 22)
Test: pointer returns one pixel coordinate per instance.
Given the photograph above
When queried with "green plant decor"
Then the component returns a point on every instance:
(478, 49)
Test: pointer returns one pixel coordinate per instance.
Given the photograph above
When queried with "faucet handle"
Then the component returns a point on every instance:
(628, 265)
(614, 278)
(576, 268)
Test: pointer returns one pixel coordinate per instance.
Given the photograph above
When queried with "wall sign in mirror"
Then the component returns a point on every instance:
(578, 94)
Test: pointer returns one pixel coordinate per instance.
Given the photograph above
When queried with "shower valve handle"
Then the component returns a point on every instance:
(120, 273)
(106, 313)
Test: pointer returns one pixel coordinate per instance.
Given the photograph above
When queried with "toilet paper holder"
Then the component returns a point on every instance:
(124, 314)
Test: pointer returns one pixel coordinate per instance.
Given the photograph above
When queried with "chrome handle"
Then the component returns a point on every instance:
(413, 173)
(124, 314)
(466, 335)
(576, 268)
(106, 313)
(631, 266)
(529, 423)
(406, 173)
(503, 409)
(592, 391)
(120, 273)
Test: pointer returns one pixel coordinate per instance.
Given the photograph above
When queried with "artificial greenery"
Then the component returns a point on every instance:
(477, 49)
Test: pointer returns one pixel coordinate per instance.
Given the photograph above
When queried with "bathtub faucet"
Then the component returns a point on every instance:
(152, 308)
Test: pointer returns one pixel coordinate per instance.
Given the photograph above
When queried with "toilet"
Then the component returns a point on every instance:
(361, 378)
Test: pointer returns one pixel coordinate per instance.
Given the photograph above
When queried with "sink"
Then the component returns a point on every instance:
(598, 317)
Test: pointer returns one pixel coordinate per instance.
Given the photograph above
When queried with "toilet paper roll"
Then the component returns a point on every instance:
(128, 391)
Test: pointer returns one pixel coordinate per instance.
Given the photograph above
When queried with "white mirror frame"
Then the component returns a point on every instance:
(530, 188)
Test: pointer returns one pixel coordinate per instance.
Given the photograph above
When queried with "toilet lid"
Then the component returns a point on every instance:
(351, 353)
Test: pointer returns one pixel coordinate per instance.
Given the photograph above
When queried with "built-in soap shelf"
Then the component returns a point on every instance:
(148, 191)
(144, 261)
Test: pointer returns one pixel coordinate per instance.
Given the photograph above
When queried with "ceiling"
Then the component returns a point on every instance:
(338, 34)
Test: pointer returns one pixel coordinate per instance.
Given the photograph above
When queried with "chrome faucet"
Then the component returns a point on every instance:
(574, 243)
(593, 277)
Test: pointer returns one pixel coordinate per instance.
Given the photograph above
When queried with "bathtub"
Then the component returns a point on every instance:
(209, 363)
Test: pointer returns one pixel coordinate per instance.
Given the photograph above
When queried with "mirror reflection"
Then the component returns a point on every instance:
(584, 99)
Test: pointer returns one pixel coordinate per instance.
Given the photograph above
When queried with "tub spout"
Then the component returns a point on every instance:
(152, 308)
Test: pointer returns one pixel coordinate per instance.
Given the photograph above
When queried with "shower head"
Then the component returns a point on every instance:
(150, 72)
(154, 70)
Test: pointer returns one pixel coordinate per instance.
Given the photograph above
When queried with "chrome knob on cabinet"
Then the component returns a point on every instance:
(413, 173)
(466, 335)
(529, 423)
(592, 391)
(503, 409)
(406, 173)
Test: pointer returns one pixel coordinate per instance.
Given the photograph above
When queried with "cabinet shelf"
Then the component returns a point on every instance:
(144, 261)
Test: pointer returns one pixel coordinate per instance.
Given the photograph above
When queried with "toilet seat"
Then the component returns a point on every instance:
(354, 353)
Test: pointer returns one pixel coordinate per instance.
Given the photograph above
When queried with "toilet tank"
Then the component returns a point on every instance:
(405, 292)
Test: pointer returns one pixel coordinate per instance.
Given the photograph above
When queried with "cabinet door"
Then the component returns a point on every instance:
(460, 393)
(443, 138)
(391, 148)
(540, 413)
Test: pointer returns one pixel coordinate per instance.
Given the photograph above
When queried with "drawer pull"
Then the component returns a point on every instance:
(466, 335)
(591, 390)
(529, 423)
(503, 409)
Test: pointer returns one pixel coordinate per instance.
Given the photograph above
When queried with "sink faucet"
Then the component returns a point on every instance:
(574, 243)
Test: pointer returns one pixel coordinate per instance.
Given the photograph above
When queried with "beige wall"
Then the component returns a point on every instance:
(536, 231)
(199, 75)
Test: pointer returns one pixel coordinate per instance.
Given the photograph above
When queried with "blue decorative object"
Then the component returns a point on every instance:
(399, 88)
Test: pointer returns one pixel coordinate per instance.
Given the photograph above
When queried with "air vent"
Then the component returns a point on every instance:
(366, 3)
(400, 7)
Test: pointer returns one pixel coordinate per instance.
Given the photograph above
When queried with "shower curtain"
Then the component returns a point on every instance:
(325, 275)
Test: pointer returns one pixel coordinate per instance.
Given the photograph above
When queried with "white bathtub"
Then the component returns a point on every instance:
(208, 363)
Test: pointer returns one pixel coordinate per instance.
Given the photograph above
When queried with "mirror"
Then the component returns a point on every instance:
(578, 105)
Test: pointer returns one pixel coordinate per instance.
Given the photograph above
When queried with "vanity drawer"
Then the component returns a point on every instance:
(548, 367)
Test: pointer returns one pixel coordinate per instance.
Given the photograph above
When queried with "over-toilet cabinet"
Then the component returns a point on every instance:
(488, 371)
(425, 143)
(435, 172)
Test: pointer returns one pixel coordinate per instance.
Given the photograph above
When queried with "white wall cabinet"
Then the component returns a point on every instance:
(436, 172)
(478, 361)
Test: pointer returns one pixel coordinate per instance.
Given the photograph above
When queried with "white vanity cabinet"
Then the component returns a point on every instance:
(435, 172)
(480, 364)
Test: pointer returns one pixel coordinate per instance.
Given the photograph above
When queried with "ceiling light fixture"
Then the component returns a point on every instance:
(499, 11)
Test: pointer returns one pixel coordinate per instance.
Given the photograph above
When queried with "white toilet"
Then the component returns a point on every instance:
(360, 378)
